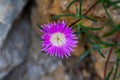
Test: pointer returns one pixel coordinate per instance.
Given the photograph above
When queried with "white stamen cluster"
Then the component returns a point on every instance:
(58, 39)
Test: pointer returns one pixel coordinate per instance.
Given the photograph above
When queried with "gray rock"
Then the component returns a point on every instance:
(9, 10)
(38, 66)
(44, 65)
(16, 47)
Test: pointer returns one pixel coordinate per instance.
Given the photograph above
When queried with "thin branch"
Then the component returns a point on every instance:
(106, 63)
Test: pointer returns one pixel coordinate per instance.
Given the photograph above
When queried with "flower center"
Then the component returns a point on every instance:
(58, 39)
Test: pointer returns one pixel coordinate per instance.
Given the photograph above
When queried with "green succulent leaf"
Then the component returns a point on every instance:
(118, 75)
(116, 69)
(39, 26)
(100, 41)
(80, 11)
(89, 18)
(108, 14)
(63, 15)
(104, 1)
(84, 55)
(114, 2)
(90, 41)
(117, 6)
(110, 33)
(77, 12)
(115, 29)
(118, 52)
(79, 27)
(88, 28)
(98, 48)
(70, 4)
(100, 52)
(109, 74)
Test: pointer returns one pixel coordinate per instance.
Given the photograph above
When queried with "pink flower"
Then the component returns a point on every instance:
(58, 39)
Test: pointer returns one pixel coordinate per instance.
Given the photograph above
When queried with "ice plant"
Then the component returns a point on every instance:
(58, 39)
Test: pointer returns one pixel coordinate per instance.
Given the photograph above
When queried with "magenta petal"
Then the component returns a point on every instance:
(58, 39)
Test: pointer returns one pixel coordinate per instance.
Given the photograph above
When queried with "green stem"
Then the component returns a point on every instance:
(85, 13)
